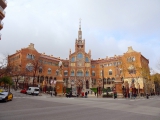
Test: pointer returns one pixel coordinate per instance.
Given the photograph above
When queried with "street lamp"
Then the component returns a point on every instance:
(103, 77)
(72, 82)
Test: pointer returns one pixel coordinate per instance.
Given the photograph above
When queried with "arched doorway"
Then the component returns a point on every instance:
(87, 84)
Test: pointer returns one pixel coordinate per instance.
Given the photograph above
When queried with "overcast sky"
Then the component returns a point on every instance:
(109, 27)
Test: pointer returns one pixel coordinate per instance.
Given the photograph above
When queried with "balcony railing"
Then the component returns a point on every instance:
(2, 10)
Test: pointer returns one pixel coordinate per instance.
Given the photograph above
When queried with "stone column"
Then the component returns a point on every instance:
(118, 84)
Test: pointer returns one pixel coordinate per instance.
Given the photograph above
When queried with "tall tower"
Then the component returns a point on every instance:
(79, 43)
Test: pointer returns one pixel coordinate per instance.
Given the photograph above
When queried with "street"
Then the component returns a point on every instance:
(45, 107)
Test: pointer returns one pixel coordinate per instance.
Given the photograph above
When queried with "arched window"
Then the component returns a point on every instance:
(105, 81)
(87, 73)
(65, 73)
(49, 70)
(87, 59)
(101, 72)
(80, 55)
(73, 59)
(79, 73)
(93, 73)
(29, 67)
(40, 70)
(72, 73)
(108, 81)
(110, 72)
(87, 84)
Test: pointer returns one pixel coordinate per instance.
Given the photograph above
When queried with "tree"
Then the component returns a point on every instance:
(6, 80)
(34, 65)
(156, 79)
(5, 68)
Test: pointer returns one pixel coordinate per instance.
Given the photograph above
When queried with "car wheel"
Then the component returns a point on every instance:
(6, 99)
(12, 98)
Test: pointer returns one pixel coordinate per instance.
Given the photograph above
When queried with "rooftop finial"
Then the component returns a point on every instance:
(80, 24)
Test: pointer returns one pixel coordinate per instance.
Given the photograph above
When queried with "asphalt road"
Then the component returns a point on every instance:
(28, 107)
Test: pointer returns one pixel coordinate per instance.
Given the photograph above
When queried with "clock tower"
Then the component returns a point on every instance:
(80, 66)
(80, 44)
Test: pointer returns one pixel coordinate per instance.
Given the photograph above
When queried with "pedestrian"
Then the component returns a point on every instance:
(86, 94)
(55, 93)
(51, 91)
(95, 93)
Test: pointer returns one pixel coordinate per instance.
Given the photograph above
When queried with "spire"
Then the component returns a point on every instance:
(80, 32)
(80, 24)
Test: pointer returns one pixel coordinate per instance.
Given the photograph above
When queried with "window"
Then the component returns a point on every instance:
(29, 67)
(110, 72)
(87, 60)
(105, 81)
(79, 55)
(30, 56)
(65, 73)
(72, 73)
(94, 81)
(131, 70)
(73, 59)
(101, 73)
(131, 59)
(93, 66)
(49, 70)
(87, 73)
(87, 84)
(93, 73)
(40, 69)
(108, 81)
(79, 73)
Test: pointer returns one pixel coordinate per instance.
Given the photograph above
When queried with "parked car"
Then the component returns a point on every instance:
(6, 96)
(23, 91)
(33, 90)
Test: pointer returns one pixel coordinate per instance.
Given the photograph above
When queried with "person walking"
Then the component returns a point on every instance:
(51, 91)
(95, 93)
(86, 94)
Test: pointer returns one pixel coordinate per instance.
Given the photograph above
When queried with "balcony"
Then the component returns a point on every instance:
(2, 13)
(1, 25)
(3, 3)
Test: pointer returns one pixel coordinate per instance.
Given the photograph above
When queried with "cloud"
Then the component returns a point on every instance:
(109, 27)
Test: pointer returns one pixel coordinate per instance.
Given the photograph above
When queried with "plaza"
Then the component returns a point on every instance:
(45, 107)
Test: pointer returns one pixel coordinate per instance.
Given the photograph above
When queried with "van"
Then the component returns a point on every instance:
(33, 91)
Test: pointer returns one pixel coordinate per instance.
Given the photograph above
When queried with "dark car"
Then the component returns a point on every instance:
(6, 96)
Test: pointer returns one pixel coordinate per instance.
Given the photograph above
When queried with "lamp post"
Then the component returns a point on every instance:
(103, 77)
(72, 82)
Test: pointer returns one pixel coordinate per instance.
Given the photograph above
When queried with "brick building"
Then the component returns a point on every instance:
(79, 71)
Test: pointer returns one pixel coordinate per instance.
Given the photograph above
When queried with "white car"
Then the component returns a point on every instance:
(6, 96)
(33, 91)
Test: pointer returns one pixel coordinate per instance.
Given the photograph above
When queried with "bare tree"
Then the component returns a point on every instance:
(5, 68)
(34, 65)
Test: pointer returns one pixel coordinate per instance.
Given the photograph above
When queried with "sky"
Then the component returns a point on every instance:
(109, 27)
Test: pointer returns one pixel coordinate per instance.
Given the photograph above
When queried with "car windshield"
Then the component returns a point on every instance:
(36, 89)
(2, 94)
